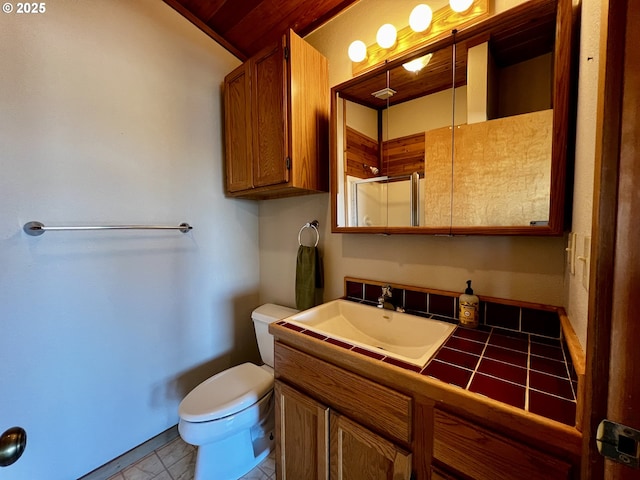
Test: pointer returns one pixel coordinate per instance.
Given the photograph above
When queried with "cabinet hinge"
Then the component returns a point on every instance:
(287, 163)
(619, 443)
(286, 53)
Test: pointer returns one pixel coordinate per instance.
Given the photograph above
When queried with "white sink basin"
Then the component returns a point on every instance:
(399, 335)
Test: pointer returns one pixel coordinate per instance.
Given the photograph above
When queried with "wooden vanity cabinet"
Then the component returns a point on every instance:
(317, 442)
(318, 423)
(464, 448)
(277, 122)
(344, 425)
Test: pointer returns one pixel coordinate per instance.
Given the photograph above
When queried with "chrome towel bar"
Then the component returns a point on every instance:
(37, 228)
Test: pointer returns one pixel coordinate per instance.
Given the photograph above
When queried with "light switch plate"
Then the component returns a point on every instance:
(571, 253)
(586, 254)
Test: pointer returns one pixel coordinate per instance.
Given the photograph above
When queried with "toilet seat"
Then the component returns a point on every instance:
(226, 393)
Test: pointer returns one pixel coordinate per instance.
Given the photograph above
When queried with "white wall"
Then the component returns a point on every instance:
(577, 295)
(110, 113)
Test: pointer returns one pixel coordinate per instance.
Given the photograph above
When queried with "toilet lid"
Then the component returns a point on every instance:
(226, 393)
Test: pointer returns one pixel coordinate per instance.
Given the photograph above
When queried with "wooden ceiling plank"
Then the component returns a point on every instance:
(182, 10)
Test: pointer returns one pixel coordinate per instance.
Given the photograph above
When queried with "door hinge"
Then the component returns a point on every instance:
(619, 443)
(287, 163)
(286, 53)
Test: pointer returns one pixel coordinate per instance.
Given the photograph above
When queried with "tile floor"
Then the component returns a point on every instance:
(176, 461)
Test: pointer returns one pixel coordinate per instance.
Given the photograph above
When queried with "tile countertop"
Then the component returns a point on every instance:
(526, 371)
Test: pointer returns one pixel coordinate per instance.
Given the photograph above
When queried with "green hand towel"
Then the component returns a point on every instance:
(309, 277)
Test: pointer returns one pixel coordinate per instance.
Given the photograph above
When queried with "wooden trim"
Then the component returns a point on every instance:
(612, 383)
(178, 7)
(333, 159)
(423, 436)
(578, 359)
(609, 108)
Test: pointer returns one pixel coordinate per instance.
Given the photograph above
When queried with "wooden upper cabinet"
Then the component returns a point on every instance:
(238, 132)
(277, 122)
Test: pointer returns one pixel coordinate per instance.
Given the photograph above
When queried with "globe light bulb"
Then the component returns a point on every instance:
(357, 51)
(460, 5)
(386, 36)
(420, 18)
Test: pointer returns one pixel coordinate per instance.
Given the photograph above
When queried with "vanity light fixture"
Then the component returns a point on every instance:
(418, 64)
(386, 36)
(460, 5)
(420, 18)
(357, 51)
(425, 25)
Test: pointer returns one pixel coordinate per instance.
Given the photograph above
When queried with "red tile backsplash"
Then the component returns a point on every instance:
(503, 316)
(540, 322)
(442, 305)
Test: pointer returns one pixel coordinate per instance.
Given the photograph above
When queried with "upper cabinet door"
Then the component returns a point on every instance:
(237, 95)
(277, 122)
(270, 150)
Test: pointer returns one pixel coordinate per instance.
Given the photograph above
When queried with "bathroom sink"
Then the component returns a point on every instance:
(403, 336)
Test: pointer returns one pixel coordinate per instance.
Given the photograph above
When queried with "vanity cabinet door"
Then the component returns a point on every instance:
(357, 453)
(478, 453)
(270, 149)
(302, 430)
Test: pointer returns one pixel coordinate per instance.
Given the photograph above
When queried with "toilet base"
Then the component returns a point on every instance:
(235, 456)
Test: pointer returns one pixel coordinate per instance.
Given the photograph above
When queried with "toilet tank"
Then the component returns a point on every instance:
(262, 317)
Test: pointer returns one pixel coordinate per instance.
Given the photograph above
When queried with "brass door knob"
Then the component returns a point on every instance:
(12, 445)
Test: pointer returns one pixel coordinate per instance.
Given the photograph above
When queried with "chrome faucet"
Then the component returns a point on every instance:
(384, 300)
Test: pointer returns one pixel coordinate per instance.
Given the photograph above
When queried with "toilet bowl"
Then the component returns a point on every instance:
(230, 416)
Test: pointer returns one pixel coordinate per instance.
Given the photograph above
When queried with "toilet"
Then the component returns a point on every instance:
(230, 416)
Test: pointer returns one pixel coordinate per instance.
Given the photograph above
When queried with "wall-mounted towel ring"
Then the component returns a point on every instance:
(313, 225)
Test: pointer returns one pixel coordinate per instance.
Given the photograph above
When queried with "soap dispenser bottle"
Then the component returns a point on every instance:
(469, 308)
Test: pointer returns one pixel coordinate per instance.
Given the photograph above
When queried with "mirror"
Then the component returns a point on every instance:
(398, 165)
